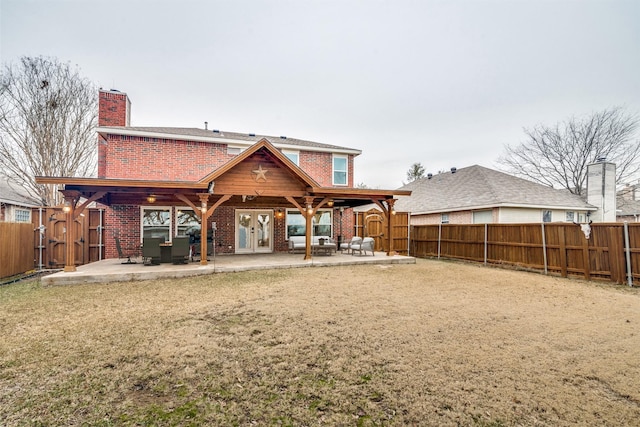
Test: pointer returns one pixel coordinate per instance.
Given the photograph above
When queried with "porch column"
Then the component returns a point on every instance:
(70, 200)
(204, 199)
(390, 213)
(308, 215)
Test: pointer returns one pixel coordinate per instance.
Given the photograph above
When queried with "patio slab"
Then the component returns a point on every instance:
(112, 270)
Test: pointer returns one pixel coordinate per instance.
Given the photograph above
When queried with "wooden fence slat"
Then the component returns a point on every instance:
(562, 249)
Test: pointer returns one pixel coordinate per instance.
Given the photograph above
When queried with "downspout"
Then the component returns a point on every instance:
(627, 250)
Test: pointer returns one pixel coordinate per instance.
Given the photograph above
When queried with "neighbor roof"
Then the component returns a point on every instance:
(627, 207)
(477, 187)
(233, 138)
(12, 194)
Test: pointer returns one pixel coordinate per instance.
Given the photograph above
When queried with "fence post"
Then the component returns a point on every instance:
(486, 230)
(544, 249)
(627, 250)
(439, 237)
(563, 252)
(585, 258)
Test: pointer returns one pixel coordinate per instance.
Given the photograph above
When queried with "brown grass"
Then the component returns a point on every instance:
(436, 343)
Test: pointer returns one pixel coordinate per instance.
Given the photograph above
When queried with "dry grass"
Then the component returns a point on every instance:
(436, 343)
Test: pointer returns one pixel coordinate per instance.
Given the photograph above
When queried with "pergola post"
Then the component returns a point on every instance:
(390, 212)
(309, 211)
(204, 199)
(70, 200)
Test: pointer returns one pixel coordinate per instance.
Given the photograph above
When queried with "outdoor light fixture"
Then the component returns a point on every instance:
(393, 211)
(309, 209)
(330, 203)
(151, 198)
(279, 214)
(66, 208)
(203, 208)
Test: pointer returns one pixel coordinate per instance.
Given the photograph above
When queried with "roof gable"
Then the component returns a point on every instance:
(262, 163)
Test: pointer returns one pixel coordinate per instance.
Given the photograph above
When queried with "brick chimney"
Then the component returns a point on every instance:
(601, 190)
(114, 108)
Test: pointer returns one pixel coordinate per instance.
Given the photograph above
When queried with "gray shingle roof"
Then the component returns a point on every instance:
(242, 137)
(627, 207)
(479, 187)
(14, 195)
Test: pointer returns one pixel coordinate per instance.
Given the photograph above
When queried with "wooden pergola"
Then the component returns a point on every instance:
(259, 177)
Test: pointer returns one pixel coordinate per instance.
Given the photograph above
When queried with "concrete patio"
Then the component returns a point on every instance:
(112, 270)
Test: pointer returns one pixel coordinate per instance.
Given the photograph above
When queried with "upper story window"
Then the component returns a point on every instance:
(234, 151)
(546, 216)
(444, 218)
(340, 170)
(156, 222)
(294, 156)
(570, 216)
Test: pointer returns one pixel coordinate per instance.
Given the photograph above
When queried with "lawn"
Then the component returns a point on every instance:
(435, 343)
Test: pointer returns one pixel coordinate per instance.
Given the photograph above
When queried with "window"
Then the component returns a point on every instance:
(22, 215)
(546, 216)
(444, 219)
(186, 221)
(570, 216)
(156, 222)
(234, 151)
(339, 170)
(483, 217)
(294, 156)
(322, 223)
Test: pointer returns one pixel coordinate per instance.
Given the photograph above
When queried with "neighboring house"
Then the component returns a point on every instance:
(15, 203)
(477, 195)
(629, 204)
(255, 191)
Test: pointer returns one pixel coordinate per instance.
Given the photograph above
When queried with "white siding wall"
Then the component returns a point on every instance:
(519, 215)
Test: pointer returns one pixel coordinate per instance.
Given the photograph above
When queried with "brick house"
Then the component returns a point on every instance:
(255, 190)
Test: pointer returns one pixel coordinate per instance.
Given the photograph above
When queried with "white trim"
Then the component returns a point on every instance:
(505, 205)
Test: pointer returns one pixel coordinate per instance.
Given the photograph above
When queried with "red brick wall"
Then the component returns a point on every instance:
(123, 221)
(157, 158)
(137, 157)
(113, 109)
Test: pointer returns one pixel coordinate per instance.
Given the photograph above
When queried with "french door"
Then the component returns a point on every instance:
(254, 231)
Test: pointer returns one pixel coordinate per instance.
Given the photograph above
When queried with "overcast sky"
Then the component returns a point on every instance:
(443, 83)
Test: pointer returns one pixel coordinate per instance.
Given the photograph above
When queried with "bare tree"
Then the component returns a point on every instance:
(416, 171)
(48, 114)
(558, 156)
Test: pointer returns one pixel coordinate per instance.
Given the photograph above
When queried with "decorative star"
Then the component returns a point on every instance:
(260, 173)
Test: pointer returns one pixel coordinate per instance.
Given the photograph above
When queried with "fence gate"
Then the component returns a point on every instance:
(50, 228)
(373, 224)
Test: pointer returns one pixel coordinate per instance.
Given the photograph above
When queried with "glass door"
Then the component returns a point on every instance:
(254, 231)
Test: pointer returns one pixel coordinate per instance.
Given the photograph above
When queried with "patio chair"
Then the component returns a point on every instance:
(364, 246)
(346, 246)
(180, 250)
(151, 250)
(130, 252)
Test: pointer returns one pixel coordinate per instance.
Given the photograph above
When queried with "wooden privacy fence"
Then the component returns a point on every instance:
(43, 247)
(611, 253)
(16, 252)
